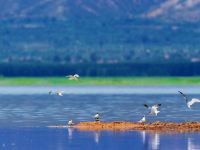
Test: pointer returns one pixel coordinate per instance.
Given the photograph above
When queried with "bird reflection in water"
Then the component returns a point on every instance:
(191, 145)
(70, 132)
(150, 140)
(155, 141)
(143, 134)
(96, 136)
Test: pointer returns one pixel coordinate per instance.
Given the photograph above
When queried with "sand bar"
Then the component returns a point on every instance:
(123, 126)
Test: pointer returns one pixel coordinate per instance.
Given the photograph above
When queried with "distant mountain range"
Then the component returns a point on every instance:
(100, 31)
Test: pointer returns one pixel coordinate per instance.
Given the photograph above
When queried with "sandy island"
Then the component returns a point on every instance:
(122, 126)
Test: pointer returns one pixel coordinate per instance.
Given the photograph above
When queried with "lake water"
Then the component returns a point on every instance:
(25, 113)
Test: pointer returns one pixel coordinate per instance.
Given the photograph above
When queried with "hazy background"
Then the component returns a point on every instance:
(100, 37)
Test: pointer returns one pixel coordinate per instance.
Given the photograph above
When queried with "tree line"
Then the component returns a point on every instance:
(88, 69)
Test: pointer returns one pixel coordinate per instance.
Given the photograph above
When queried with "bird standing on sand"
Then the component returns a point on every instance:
(189, 102)
(153, 109)
(59, 93)
(70, 123)
(143, 120)
(73, 77)
(97, 117)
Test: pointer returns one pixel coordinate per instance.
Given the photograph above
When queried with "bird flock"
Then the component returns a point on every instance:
(60, 93)
(153, 109)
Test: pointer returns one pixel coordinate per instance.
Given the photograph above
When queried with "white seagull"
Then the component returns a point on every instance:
(73, 77)
(59, 93)
(143, 119)
(70, 123)
(189, 102)
(97, 117)
(153, 109)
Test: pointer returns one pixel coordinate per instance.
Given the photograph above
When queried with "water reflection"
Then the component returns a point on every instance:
(70, 132)
(191, 145)
(154, 141)
(150, 140)
(96, 136)
(65, 139)
(143, 140)
(143, 134)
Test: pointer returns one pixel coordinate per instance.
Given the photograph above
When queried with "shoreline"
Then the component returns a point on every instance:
(127, 126)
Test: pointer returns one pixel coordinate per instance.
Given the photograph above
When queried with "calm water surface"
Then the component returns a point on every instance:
(69, 139)
(24, 117)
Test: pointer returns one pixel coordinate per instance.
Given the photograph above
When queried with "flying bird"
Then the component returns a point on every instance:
(59, 93)
(73, 77)
(97, 117)
(189, 102)
(143, 119)
(153, 109)
(50, 92)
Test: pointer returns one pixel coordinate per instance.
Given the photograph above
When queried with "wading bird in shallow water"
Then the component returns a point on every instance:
(153, 109)
(189, 102)
(143, 120)
(97, 117)
(73, 77)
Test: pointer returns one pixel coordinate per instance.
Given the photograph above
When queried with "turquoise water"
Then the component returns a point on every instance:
(24, 119)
